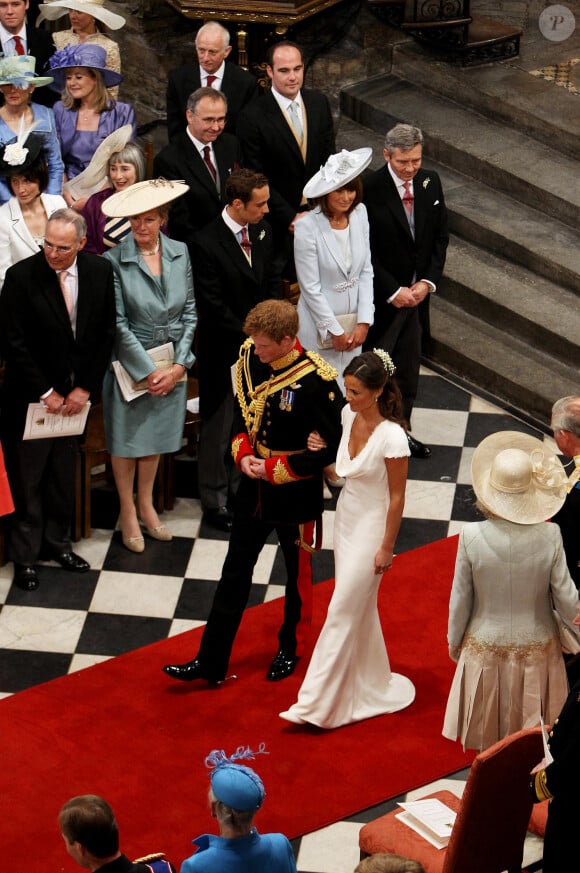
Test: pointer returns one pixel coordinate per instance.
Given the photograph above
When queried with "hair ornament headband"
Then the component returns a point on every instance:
(218, 757)
(386, 359)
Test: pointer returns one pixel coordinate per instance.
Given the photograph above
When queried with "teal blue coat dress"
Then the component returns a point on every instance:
(151, 310)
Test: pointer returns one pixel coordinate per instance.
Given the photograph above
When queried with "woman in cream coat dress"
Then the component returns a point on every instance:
(510, 569)
(333, 261)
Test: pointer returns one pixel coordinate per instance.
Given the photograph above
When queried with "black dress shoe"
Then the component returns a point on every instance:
(282, 666)
(25, 577)
(418, 449)
(190, 671)
(72, 562)
(220, 518)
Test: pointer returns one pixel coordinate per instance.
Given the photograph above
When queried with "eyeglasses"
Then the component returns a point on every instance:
(61, 250)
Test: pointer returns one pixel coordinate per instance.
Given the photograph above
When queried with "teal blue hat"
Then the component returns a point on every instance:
(234, 784)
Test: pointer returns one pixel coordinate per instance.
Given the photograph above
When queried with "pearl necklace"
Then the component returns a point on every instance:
(154, 250)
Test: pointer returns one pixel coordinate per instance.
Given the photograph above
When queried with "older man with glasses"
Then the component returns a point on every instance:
(57, 324)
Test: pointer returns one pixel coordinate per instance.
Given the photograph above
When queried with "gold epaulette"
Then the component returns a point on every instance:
(323, 368)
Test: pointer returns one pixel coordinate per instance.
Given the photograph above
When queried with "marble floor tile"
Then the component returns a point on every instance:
(80, 662)
(334, 848)
(207, 558)
(132, 594)
(182, 625)
(40, 630)
(447, 428)
(430, 500)
(464, 472)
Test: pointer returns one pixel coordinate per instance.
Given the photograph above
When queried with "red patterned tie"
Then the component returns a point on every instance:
(245, 243)
(408, 199)
(209, 162)
(19, 46)
(210, 80)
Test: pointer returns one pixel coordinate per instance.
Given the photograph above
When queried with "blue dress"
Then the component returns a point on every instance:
(268, 853)
(151, 310)
(78, 146)
(46, 128)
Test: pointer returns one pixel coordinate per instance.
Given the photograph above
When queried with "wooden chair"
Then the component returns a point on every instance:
(492, 817)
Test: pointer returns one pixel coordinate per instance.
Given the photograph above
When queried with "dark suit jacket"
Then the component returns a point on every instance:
(568, 520)
(226, 288)
(181, 160)
(36, 339)
(41, 47)
(239, 87)
(396, 256)
(269, 146)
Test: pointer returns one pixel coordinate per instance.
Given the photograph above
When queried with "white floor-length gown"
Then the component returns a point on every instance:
(349, 677)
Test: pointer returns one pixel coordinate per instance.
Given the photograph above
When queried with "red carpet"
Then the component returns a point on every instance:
(123, 730)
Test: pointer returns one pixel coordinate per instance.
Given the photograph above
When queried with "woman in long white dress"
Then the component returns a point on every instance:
(349, 677)
(510, 576)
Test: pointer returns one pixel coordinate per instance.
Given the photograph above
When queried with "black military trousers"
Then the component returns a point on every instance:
(247, 539)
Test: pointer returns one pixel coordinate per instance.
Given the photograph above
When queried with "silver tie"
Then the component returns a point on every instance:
(295, 120)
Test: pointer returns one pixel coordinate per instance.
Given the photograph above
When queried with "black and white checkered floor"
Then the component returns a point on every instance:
(129, 600)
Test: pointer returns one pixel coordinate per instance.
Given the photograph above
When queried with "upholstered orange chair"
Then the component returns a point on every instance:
(492, 817)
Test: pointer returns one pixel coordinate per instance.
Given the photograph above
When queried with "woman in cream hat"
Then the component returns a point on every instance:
(510, 576)
(89, 22)
(155, 307)
(20, 115)
(85, 115)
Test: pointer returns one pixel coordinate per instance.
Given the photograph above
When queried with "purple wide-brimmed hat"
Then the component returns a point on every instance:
(83, 55)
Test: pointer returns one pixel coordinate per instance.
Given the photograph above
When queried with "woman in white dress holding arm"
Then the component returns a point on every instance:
(349, 677)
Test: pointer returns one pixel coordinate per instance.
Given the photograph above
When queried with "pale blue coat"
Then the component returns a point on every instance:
(327, 287)
(150, 311)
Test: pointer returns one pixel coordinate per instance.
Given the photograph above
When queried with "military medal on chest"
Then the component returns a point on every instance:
(286, 399)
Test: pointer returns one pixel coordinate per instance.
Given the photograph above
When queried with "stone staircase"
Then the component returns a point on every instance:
(506, 317)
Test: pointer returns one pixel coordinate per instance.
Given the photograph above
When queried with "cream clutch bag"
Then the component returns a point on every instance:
(348, 323)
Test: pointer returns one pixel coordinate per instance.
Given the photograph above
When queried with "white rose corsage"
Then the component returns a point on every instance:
(426, 182)
(15, 154)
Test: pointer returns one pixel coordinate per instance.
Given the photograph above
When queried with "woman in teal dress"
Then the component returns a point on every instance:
(155, 305)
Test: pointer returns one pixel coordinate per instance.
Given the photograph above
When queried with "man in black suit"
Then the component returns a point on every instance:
(231, 277)
(283, 393)
(20, 38)
(57, 325)
(409, 236)
(566, 428)
(287, 135)
(203, 156)
(212, 45)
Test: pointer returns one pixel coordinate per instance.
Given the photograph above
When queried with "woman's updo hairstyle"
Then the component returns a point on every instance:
(375, 370)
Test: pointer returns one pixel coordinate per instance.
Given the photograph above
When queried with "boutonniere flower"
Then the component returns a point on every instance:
(262, 234)
(426, 182)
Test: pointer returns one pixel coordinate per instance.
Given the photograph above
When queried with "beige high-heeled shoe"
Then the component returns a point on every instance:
(160, 532)
(134, 544)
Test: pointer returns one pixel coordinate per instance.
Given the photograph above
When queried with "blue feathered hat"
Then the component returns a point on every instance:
(234, 784)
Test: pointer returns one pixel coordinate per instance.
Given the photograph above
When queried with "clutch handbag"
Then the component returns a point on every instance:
(348, 322)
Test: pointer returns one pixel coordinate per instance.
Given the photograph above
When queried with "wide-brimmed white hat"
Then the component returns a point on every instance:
(96, 8)
(143, 196)
(338, 171)
(85, 54)
(18, 70)
(516, 477)
(98, 167)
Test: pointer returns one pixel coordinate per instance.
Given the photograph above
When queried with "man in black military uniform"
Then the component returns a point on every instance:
(559, 783)
(283, 394)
